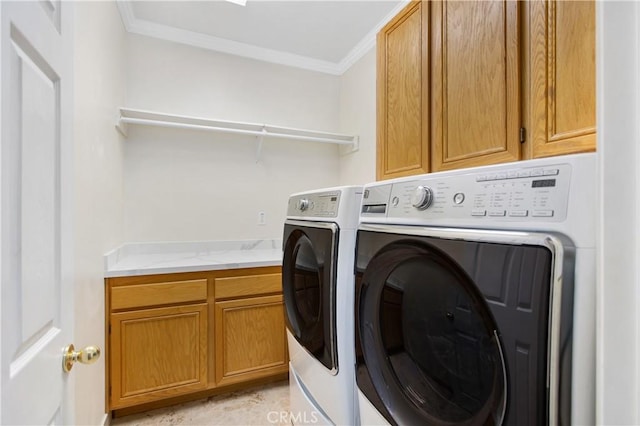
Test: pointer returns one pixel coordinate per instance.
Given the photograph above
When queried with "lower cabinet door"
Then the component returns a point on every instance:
(250, 339)
(158, 353)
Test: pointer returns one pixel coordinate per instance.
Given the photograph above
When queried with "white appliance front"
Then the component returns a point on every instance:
(319, 244)
(475, 296)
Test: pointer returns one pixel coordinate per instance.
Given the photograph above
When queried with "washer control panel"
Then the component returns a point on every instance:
(518, 194)
(321, 204)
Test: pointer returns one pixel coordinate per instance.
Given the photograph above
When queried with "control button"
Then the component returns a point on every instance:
(512, 174)
(303, 204)
(478, 212)
(497, 213)
(458, 198)
(519, 213)
(395, 201)
(500, 176)
(481, 178)
(491, 177)
(537, 172)
(550, 172)
(422, 197)
(542, 213)
(524, 173)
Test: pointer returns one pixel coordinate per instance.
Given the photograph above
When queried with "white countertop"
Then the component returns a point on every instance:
(168, 257)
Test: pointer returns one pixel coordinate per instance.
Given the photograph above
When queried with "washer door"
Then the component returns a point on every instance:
(428, 342)
(308, 283)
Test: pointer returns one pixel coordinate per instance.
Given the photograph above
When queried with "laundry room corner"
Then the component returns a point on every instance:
(358, 117)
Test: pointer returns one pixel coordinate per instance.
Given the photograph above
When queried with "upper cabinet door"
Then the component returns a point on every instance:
(475, 83)
(563, 77)
(403, 94)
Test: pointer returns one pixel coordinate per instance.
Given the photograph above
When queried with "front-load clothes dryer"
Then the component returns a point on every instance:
(475, 296)
(318, 287)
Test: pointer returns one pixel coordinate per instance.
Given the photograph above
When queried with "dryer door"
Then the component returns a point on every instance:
(308, 284)
(428, 339)
(452, 327)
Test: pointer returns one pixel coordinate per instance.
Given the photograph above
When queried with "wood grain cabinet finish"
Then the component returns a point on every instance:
(176, 336)
(250, 337)
(158, 353)
(255, 323)
(158, 332)
(563, 77)
(403, 94)
(475, 83)
(469, 83)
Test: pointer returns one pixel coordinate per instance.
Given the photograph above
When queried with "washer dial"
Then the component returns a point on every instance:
(422, 197)
(303, 204)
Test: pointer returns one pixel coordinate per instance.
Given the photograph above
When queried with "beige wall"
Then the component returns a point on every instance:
(190, 185)
(100, 45)
(358, 116)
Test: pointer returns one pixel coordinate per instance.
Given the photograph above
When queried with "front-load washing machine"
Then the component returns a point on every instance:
(475, 296)
(318, 287)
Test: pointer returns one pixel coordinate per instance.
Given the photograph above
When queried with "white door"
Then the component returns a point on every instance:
(36, 176)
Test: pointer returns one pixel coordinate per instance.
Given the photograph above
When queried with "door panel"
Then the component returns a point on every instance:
(563, 77)
(36, 210)
(158, 353)
(309, 288)
(475, 87)
(436, 318)
(255, 323)
(403, 93)
(39, 175)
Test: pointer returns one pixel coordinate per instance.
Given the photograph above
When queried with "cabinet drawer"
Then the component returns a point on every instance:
(247, 286)
(143, 295)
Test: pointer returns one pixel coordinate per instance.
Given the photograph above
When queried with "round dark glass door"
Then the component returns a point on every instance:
(307, 276)
(428, 340)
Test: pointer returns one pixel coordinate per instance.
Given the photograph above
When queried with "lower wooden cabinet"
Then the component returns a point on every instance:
(162, 353)
(176, 335)
(249, 323)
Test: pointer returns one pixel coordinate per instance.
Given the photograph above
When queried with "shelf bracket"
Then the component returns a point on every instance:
(260, 140)
(121, 127)
(350, 148)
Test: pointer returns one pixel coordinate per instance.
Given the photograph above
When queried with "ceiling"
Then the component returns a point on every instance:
(326, 36)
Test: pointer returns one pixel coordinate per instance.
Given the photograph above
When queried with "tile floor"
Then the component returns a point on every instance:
(265, 405)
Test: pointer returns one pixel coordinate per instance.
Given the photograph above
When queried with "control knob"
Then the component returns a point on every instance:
(422, 197)
(303, 204)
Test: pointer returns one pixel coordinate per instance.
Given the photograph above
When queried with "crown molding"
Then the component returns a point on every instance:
(164, 32)
(368, 41)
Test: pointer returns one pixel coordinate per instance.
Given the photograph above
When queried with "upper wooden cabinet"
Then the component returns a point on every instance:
(469, 83)
(563, 77)
(475, 80)
(403, 94)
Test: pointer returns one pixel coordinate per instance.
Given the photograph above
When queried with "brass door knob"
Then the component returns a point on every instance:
(88, 355)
